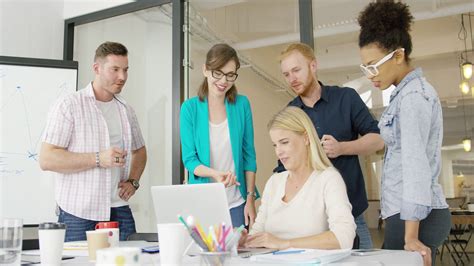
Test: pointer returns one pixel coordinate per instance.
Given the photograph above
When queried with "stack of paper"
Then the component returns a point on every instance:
(76, 249)
(307, 256)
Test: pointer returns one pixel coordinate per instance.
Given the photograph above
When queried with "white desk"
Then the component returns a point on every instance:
(388, 257)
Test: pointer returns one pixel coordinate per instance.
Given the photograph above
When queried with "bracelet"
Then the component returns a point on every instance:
(97, 161)
(252, 193)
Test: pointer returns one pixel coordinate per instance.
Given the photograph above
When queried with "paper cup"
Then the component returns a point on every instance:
(172, 239)
(96, 240)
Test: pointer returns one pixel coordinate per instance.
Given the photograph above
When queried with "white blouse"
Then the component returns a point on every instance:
(320, 205)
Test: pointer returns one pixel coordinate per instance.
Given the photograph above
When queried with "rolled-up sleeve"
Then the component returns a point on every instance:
(338, 209)
(137, 137)
(362, 120)
(415, 120)
(248, 147)
(60, 124)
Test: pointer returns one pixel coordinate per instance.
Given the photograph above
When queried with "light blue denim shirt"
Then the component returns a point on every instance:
(412, 128)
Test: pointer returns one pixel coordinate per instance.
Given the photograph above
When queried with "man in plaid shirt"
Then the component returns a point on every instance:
(93, 144)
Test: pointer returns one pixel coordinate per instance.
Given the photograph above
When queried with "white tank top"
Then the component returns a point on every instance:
(222, 159)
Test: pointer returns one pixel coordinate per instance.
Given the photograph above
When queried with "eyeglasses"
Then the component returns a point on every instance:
(217, 74)
(372, 70)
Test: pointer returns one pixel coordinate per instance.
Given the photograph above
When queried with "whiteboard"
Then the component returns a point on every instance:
(28, 88)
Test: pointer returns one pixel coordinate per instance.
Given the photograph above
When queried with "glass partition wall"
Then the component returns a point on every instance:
(258, 30)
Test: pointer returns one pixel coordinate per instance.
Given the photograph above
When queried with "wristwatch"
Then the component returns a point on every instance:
(134, 183)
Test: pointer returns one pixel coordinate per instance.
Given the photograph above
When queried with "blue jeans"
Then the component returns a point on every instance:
(432, 231)
(362, 230)
(237, 215)
(77, 227)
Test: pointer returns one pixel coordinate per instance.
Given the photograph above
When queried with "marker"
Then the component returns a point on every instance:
(180, 218)
(234, 238)
(283, 252)
(193, 233)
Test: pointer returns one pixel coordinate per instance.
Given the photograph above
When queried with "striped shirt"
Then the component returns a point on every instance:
(76, 124)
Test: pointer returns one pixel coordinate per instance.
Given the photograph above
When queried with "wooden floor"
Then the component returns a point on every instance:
(377, 238)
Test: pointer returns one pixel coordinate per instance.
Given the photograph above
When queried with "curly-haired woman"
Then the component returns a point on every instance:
(413, 205)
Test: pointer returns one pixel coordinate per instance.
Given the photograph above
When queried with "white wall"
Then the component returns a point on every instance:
(31, 28)
(74, 8)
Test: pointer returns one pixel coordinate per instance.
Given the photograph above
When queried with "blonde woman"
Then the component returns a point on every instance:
(307, 205)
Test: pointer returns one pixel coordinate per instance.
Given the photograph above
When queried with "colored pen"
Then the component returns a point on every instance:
(180, 218)
(198, 240)
(235, 237)
(283, 252)
(194, 234)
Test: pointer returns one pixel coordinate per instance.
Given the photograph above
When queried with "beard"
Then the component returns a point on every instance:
(309, 86)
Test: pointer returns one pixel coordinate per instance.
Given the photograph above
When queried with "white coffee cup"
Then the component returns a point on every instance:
(112, 235)
(171, 238)
(470, 207)
(127, 256)
(51, 240)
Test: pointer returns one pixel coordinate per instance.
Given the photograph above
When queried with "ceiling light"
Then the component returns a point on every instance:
(464, 62)
(467, 70)
(466, 143)
(464, 86)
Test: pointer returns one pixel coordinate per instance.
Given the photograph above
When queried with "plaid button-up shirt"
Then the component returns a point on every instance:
(77, 124)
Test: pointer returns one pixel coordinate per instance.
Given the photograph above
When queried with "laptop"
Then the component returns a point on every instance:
(207, 203)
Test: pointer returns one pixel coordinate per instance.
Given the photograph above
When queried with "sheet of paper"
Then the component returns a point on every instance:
(302, 257)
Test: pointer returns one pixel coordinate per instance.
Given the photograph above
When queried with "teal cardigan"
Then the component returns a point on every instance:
(194, 129)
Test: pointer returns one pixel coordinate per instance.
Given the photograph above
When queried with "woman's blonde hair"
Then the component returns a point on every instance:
(296, 120)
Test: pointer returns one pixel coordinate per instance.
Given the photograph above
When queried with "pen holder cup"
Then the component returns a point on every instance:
(215, 258)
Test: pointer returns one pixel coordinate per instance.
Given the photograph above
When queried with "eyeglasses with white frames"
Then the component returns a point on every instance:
(372, 70)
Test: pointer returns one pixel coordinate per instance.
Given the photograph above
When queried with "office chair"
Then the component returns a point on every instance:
(149, 237)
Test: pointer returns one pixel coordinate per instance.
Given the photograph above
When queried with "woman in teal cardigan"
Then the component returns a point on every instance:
(217, 135)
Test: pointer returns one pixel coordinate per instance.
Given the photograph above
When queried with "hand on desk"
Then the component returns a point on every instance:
(126, 190)
(266, 240)
(417, 245)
